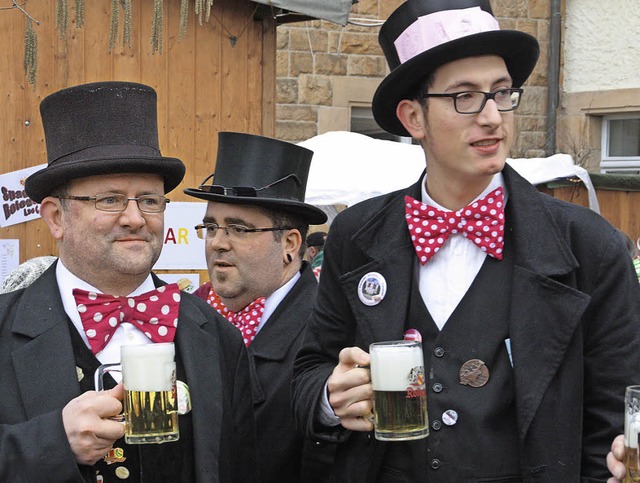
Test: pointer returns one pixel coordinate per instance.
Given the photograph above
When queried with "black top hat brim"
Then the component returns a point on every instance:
(42, 183)
(311, 214)
(519, 50)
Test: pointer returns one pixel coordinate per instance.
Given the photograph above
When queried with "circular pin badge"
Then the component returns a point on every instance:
(372, 288)
(474, 373)
(450, 417)
(412, 334)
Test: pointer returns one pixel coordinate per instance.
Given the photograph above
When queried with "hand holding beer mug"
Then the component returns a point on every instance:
(631, 433)
(400, 395)
(150, 401)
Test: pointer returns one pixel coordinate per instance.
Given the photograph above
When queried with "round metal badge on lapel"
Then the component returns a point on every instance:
(372, 288)
(474, 373)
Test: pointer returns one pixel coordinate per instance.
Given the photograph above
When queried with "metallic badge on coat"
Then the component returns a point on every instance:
(115, 455)
(474, 373)
(372, 288)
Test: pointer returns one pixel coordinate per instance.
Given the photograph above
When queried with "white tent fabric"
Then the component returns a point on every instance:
(350, 167)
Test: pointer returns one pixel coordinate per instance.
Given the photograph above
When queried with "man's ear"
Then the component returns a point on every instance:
(411, 115)
(52, 212)
(291, 243)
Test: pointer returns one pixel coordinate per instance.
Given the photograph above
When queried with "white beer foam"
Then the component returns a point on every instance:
(631, 430)
(148, 367)
(391, 366)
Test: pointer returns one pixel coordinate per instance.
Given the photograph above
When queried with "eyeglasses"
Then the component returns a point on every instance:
(234, 232)
(246, 191)
(472, 102)
(117, 203)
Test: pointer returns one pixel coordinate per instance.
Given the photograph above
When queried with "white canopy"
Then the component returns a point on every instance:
(349, 167)
(332, 10)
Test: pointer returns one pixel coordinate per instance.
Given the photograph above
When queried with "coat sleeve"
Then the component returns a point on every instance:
(37, 450)
(611, 327)
(330, 329)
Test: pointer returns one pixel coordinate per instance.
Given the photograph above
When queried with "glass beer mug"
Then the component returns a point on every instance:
(400, 394)
(150, 401)
(631, 433)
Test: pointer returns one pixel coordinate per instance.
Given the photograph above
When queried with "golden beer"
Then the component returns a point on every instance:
(631, 462)
(151, 417)
(400, 395)
(400, 417)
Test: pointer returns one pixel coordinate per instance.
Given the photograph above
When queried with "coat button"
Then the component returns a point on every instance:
(436, 425)
(437, 387)
(438, 352)
(435, 464)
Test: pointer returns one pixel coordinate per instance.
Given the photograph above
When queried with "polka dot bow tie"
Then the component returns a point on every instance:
(247, 319)
(155, 313)
(482, 222)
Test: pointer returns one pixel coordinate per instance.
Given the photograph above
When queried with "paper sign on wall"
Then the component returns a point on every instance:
(17, 207)
(182, 248)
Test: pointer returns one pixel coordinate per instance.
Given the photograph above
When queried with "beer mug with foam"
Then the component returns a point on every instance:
(150, 401)
(400, 395)
(631, 433)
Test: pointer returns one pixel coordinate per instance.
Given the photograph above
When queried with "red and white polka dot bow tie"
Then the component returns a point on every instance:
(155, 313)
(482, 222)
(247, 319)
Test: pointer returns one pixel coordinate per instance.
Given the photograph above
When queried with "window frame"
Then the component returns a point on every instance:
(617, 164)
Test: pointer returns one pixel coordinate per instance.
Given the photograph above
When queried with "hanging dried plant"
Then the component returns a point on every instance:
(156, 29)
(30, 52)
(62, 17)
(126, 35)
(184, 15)
(114, 24)
(203, 8)
(79, 13)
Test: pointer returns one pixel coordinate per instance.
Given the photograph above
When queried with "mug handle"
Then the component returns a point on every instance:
(101, 371)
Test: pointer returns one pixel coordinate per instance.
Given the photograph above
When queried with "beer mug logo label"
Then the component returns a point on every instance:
(416, 383)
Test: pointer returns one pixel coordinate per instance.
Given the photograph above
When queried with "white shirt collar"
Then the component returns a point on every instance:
(496, 182)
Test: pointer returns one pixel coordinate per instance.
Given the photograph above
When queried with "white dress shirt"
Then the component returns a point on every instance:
(447, 276)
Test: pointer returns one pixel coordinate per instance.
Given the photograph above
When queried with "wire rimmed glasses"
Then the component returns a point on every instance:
(117, 202)
(473, 102)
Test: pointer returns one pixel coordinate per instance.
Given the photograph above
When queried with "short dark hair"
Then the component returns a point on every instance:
(281, 219)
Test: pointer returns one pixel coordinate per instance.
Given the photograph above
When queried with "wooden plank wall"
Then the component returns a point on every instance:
(619, 207)
(204, 83)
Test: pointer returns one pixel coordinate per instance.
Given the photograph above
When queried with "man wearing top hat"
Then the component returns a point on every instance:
(254, 228)
(102, 197)
(535, 295)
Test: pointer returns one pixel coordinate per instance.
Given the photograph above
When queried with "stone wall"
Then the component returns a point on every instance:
(324, 69)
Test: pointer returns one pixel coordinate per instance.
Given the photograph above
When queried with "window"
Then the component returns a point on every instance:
(621, 144)
(362, 122)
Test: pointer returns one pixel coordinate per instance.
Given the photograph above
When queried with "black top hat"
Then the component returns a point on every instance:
(101, 128)
(260, 171)
(422, 35)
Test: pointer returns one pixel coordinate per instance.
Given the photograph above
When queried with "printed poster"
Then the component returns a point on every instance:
(17, 207)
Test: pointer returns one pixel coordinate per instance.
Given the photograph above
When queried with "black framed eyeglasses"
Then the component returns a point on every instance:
(245, 191)
(472, 102)
(234, 232)
(117, 202)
